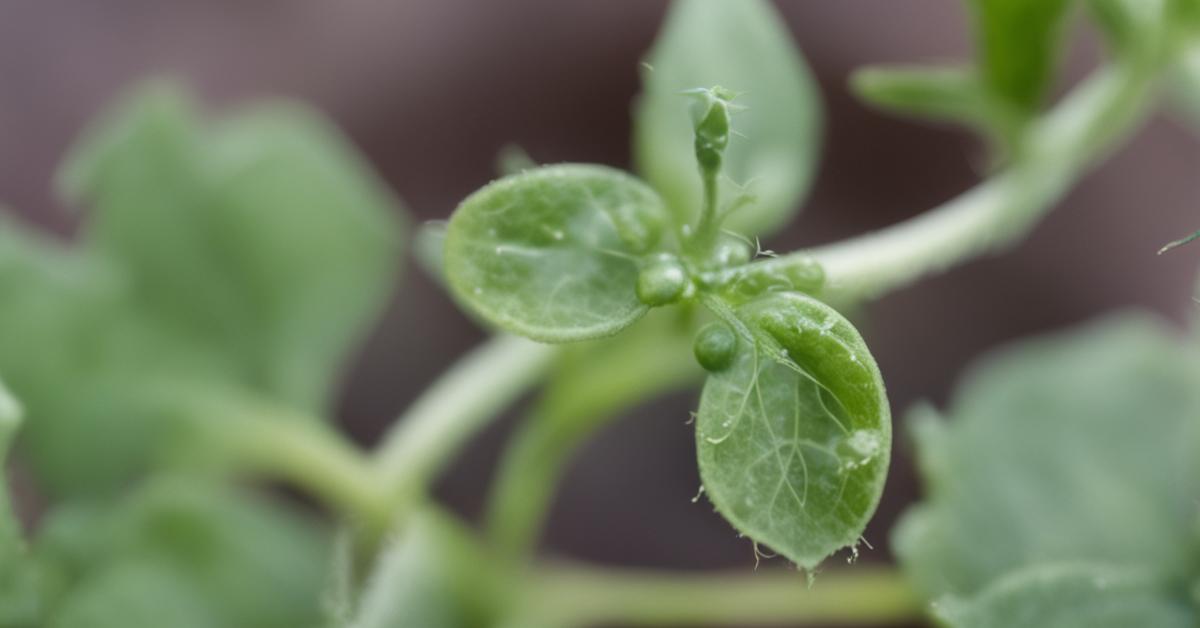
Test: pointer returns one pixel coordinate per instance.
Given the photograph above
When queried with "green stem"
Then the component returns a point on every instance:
(593, 383)
(999, 211)
(473, 391)
(317, 458)
(258, 436)
(586, 597)
(709, 225)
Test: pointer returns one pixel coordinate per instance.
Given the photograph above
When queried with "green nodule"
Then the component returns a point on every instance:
(715, 347)
(663, 281)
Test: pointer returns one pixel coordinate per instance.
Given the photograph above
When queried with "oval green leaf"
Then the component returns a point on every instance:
(554, 253)
(743, 46)
(794, 438)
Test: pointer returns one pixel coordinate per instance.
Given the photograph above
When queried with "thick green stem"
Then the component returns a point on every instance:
(998, 212)
(482, 383)
(254, 435)
(589, 597)
(316, 458)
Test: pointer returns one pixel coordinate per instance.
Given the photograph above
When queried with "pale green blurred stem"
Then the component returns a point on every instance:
(273, 440)
(602, 380)
(426, 437)
(1000, 211)
(579, 597)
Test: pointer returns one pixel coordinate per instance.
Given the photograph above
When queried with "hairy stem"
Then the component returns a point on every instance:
(475, 389)
(998, 212)
(585, 597)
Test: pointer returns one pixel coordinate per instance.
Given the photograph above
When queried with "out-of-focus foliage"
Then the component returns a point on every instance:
(233, 259)
(219, 557)
(23, 582)
(432, 575)
(937, 93)
(1083, 448)
(1069, 596)
(244, 253)
(1187, 84)
(1017, 50)
(744, 47)
(260, 234)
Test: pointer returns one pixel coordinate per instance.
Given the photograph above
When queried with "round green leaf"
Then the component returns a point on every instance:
(555, 253)
(793, 439)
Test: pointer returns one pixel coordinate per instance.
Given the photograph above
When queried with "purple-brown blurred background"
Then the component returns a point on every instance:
(431, 89)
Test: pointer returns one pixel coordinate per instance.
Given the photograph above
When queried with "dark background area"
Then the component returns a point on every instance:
(431, 89)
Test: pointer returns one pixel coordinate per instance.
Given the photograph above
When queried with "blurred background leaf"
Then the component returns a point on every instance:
(249, 253)
(1069, 596)
(742, 46)
(245, 561)
(1079, 447)
(264, 234)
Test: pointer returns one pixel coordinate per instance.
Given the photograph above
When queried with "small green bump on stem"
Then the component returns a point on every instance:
(663, 281)
(730, 252)
(715, 347)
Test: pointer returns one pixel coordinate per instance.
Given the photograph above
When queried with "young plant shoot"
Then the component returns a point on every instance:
(191, 337)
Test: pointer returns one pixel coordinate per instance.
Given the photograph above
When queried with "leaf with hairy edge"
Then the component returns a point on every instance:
(794, 438)
(555, 253)
(743, 46)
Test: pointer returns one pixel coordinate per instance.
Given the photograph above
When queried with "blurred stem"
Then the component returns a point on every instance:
(593, 383)
(586, 597)
(267, 438)
(1059, 148)
(459, 403)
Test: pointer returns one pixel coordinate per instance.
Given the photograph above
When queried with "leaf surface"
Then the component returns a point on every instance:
(555, 253)
(794, 438)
